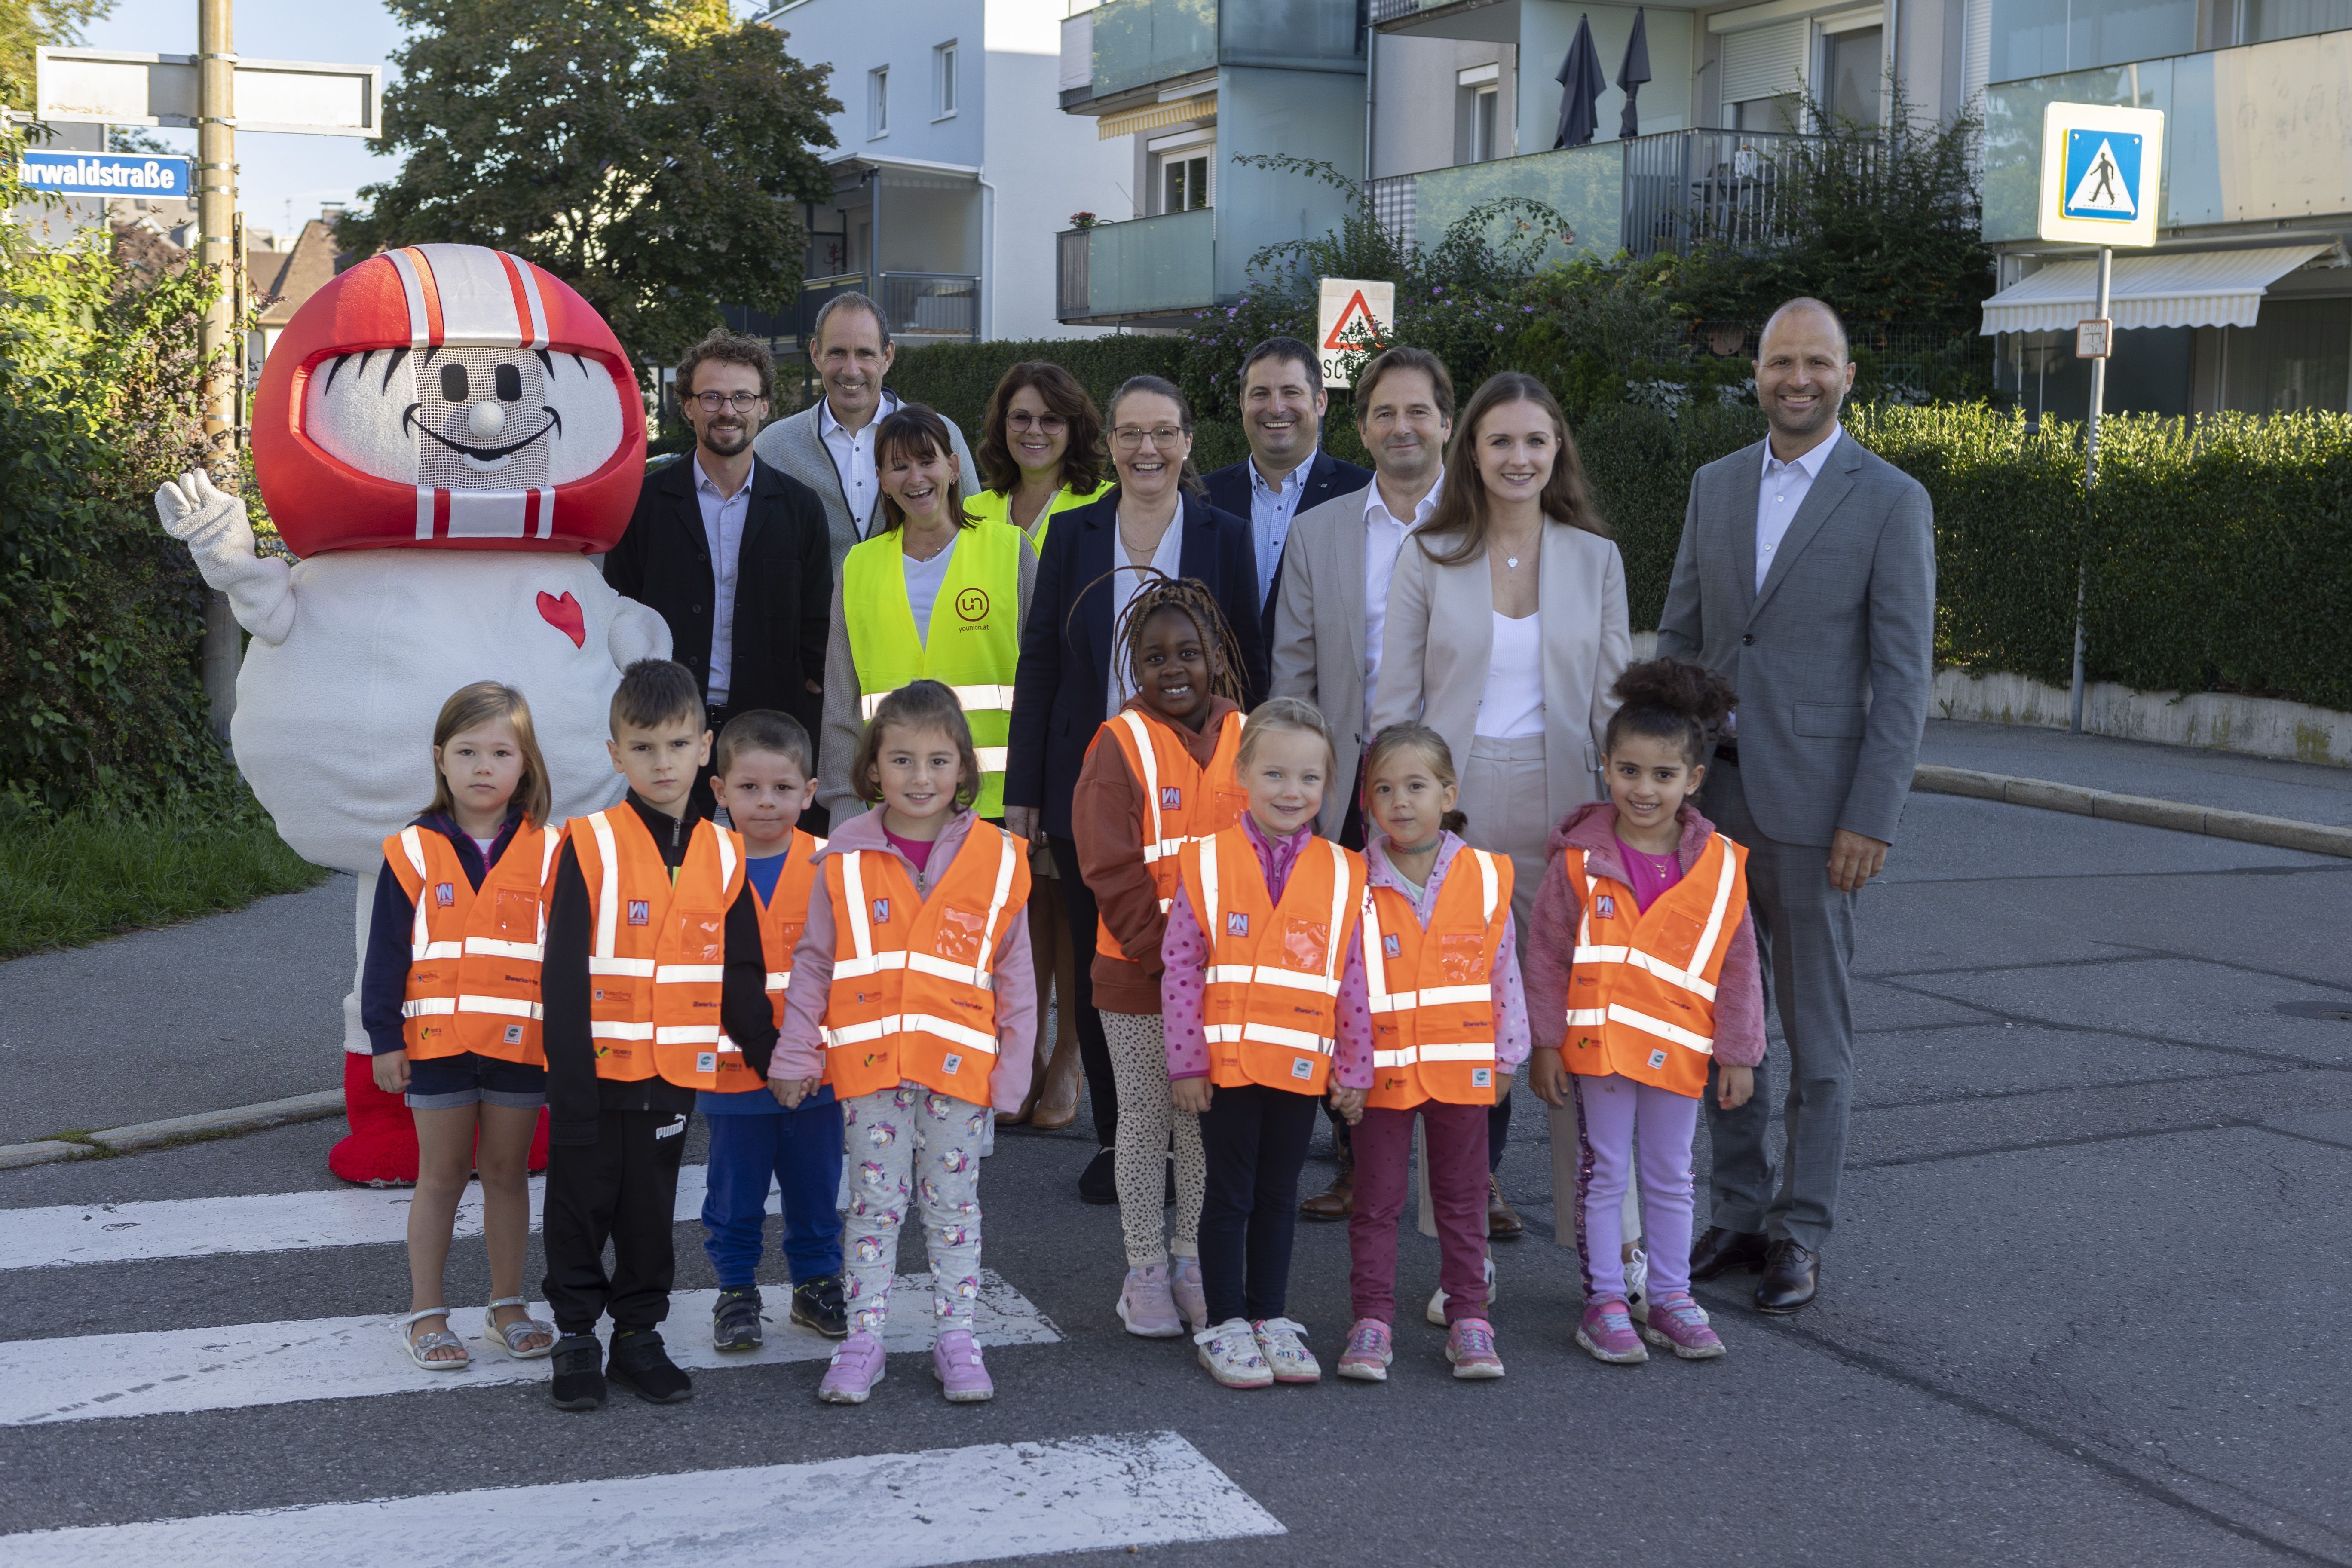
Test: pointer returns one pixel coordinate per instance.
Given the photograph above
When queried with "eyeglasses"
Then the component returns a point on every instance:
(1046, 423)
(1129, 438)
(740, 402)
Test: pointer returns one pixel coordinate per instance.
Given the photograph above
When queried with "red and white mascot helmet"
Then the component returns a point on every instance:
(453, 397)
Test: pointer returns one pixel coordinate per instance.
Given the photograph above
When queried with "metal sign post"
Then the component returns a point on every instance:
(2102, 169)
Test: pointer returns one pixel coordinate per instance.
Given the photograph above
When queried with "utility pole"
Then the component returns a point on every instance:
(2089, 479)
(217, 252)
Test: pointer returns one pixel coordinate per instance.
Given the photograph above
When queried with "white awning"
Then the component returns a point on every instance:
(2181, 289)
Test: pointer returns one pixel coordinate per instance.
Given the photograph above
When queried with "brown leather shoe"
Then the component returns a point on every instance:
(1721, 1251)
(1065, 1076)
(1793, 1277)
(1337, 1201)
(1503, 1223)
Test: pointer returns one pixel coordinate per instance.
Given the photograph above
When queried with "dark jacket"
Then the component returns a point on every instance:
(1327, 475)
(1062, 694)
(783, 586)
(574, 1094)
(384, 972)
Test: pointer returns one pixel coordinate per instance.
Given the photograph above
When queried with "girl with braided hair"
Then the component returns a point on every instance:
(1159, 774)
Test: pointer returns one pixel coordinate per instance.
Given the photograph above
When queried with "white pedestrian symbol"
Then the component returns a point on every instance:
(2102, 188)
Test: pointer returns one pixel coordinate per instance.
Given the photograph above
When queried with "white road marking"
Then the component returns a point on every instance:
(881, 1511)
(245, 1365)
(268, 1222)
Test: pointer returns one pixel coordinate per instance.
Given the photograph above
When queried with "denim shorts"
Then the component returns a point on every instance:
(452, 1083)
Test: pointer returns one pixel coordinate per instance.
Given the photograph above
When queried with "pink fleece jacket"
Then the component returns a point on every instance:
(1511, 1037)
(1185, 955)
(1551, 937)
(800, 1045)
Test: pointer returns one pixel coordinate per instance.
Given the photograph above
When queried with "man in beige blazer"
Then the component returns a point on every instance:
(1329, 617)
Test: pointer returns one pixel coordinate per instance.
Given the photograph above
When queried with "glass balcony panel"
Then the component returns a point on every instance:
(1292, 34)
(1584, 185)
(2037, 38)
(2012, 140)
(2268, 19)
(1151, 265)
(1137, 42)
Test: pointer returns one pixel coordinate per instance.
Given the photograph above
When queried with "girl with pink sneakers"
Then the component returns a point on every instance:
(1643, 993)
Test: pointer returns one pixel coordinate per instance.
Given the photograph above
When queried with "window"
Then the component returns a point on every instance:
(2293, 357)
(1183, 181)
(2036, 37)
(944, 80)
(1477, 124)
(878, 102)
(1852, 67)
(2259, 21)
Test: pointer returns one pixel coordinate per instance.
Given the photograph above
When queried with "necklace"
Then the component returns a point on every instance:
(1511, 562)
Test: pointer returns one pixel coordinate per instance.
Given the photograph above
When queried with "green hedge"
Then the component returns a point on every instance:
(2220, 553)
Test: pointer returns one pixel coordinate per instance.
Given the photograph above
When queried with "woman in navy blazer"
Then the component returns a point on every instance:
(1062, 692)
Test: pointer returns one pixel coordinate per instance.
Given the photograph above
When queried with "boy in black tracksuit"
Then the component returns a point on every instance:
(614, 1146)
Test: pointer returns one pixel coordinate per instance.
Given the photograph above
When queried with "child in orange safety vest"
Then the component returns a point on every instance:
(1263, 991)
(913, 997)
(450, 997)
(1158, 776)
(1644, 993)
(1449, 1029)
(656, 980)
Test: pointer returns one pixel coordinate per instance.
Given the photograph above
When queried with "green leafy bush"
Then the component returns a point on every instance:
(957, 378)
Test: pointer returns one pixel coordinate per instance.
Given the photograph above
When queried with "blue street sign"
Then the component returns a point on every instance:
(2102, 177)
(104, 173)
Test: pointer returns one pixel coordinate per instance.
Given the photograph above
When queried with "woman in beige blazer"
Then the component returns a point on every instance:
(1507, 626)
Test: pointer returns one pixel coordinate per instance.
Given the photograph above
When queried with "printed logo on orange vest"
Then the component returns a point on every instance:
(514, 1034)
(881, 911)
(641, 912)
(1392, 946)
(1482, 1078)
(972, 605)
(1301, 1067)
(950, 1062)
(1605, 906)
(1237, 923)
(1657, 1059)
(445, 893)
(1171, 797)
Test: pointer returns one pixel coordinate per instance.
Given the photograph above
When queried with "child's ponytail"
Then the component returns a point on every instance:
(1672, 700)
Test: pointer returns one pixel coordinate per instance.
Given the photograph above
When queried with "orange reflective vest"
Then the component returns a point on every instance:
(782, 917)
(1641, 997)
(1271, 1004)
(914, 993)
(473, 954)
(657, 947)
(1433, 1035)
(1182, 801)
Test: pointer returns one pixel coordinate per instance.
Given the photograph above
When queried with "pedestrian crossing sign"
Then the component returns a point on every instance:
(2101, 174)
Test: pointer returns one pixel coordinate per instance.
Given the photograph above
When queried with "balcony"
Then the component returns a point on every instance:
(1161, 268)
(1132, 48)
(922, 308)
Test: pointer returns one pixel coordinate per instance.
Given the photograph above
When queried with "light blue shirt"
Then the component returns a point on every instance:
(1779, 491)
(722, 526)
(1271, 508)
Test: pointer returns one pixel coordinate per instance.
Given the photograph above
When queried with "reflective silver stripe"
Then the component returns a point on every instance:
(1489, 884)
(415, 851)
(1404, 1058)
(608, 900)
(1592, 1016)
(1155, 830)
(421, 945)
(1167, 904)
(1370, 935)
(1208, 890)
(1221, 1033)
(1267, 974)
(779, 981)
(551, 841)
(1650, 963)
(1705, 951)
(504, 1006)
(434, 949)
(636, 968)
(971, 699)
(428, 1007)
(858, 968)
(930, 963)
(1455, 995)
(1227, 974)
(1288, 1039)
(687, 1034)
(490, 947)
(600, 1029)
(1586, 952)
(1458, 1051)
(1621, 1014)
(1334, 955)
(726, 857)
(904, 1023)
(991, 758)
(996, 905)
(853, 893)
(689, 974)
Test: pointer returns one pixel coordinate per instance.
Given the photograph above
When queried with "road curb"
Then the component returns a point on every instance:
(228, 1124)
(2180, 816)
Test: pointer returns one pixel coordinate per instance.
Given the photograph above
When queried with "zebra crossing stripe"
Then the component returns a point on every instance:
(940, 1506)
(65, 1234)
(241, 1365)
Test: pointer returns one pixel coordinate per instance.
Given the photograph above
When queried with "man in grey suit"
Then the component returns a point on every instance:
(1806, 576)
(829, 446)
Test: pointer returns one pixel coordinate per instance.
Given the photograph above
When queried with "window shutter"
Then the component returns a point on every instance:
(1765, 62)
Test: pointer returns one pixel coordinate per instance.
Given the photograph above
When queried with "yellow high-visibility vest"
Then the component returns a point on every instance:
(996, 506)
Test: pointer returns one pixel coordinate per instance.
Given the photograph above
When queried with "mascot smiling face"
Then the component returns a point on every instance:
(449, 396)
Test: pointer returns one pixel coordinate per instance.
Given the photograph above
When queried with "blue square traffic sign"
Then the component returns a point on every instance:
(2102, 177)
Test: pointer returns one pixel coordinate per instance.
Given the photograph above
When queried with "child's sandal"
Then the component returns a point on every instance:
(421, 1346)
(522, 1328)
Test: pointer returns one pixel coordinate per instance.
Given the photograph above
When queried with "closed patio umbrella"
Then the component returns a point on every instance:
(1633, 74)
(1582, 85)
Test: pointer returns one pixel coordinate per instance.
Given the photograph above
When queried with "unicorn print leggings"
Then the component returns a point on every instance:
(909, 1146)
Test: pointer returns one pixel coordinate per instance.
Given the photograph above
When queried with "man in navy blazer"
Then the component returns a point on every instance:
(1287, 471)
(1061, 695)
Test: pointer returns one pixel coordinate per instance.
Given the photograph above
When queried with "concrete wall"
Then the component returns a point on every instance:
(1043, 165)
(1415, 87)
(1309, 114)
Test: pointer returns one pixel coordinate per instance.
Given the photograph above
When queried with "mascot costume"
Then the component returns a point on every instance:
(445, 434)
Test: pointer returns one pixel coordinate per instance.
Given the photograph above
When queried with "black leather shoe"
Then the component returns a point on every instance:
(818, 1305)
(1099, 1182)
(1793, 1277)
(641, 1365)
(579, 1380)
(1721, 1251)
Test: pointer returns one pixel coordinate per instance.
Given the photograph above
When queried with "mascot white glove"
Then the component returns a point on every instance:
(212, 524)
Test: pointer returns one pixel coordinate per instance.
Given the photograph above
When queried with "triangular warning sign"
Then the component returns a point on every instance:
(1355, 307)
(2102, 188)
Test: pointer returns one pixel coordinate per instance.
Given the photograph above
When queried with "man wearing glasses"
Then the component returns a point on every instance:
(731, 550)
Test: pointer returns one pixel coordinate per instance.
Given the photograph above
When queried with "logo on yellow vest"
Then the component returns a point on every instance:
(972, 603)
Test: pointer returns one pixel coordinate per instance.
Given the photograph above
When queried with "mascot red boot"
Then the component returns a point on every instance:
(444, 434)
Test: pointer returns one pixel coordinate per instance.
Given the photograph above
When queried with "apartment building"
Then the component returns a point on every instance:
(954, 168)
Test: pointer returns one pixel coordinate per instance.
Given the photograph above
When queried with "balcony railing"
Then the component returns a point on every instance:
(1140, 41)
(931, 304)
(1150, 267)
(1135, 43)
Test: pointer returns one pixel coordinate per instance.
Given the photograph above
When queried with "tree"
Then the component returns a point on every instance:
(652, 153)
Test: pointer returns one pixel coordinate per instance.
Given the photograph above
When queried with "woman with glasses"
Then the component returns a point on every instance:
(1040, 451)
(1152, 521)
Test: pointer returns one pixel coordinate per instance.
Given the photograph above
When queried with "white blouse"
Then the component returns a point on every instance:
(1512, 704)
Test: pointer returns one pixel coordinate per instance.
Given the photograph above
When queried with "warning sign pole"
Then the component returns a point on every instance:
(2090, 483)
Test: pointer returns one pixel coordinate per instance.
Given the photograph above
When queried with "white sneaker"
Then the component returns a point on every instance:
(1229, 1349)
(1279, 1342)
(1436, 1313)
(1637, 1285)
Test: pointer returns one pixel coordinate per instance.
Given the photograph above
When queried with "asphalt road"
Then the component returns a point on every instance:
(2079, 1309)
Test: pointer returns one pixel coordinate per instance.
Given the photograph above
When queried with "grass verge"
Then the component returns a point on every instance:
(71, 879)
